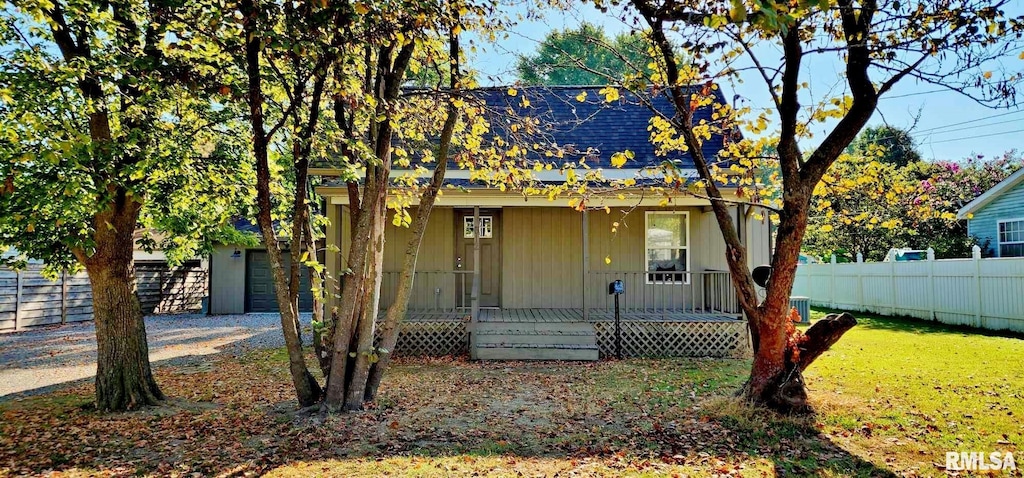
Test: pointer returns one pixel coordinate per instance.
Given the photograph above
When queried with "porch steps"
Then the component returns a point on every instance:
(534, 341)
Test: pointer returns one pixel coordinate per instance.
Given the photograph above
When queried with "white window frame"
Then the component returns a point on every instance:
(487, 226)
(999, 234)
(647, 275)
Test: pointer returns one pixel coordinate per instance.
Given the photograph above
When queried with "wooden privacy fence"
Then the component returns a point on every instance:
(985, 293)
(28, 299)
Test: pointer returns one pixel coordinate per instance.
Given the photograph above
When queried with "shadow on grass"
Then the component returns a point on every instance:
(914, 325)
(236, 415)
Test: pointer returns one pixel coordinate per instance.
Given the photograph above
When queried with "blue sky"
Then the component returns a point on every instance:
(947, 125)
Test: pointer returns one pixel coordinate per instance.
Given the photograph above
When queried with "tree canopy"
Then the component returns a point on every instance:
(895, 146)
(583, 56)
(106, 127)
(867, 206)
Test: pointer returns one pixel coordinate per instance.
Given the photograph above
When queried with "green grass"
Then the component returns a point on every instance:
(891, 397)
(914, 388)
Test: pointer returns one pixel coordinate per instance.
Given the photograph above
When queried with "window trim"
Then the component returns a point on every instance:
(999, 239)
(647, 274)
(489, 230)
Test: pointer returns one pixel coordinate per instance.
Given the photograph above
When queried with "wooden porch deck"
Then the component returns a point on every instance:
(568, 315)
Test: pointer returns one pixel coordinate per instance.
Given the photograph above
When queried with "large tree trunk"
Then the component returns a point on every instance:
(124, 380)
(346, 384)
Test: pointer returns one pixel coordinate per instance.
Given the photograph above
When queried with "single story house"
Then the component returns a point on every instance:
(240, 280)
(997, 217)
(545, 268)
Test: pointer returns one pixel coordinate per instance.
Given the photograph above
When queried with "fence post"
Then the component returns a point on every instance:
(860, 282)
(976, 256)
(160, 284)
(63, 297)
(931, 283)
(17, 300)
(832, 283)
(892, 282)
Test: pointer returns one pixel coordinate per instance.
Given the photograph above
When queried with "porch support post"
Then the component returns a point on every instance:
(332, 260)
(586, 263)
(475, 297)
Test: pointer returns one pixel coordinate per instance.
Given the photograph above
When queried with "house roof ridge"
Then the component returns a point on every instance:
(991, 194)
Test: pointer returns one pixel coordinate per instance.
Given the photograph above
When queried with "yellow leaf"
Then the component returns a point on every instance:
(607, 259)
(361, 8)
(526, 102)
(738, 12)
(988, 75)
(610, 93)
(583, 94)
(618, 160)
(825, 228)
(512, 92)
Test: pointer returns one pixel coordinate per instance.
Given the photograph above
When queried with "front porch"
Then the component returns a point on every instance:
(509, 281)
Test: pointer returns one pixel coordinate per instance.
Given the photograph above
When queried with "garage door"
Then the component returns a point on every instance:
(259, 285)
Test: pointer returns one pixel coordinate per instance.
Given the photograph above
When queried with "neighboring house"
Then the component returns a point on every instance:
(240, 280)
(542, 263)
(997, 217)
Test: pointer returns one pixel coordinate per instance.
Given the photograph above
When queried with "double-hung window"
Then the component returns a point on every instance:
(1011, 238)
(667, 247)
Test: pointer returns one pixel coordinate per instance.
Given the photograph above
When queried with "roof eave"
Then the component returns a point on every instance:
(992, 194)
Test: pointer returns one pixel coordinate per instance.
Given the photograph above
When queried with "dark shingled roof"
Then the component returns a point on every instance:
(593, 124)
(574, 126)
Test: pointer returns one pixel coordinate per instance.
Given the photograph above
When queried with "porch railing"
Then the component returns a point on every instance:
(663, 291)
(432, 291)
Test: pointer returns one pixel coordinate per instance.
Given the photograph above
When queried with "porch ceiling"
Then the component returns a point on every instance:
(495, 198)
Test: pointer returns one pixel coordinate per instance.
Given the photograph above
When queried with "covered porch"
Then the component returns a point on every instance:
(535, 276)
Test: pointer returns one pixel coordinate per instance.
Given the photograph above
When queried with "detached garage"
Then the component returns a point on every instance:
(259, 284)
(240, 281)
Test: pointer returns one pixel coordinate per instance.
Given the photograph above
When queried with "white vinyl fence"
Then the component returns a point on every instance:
(985, 293)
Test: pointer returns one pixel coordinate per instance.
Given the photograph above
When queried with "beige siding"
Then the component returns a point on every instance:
(437, 249)
(710, 237)
(332, 260)
(625, 247)
(542, 257)
(758, 251)
(542, 253)
(438, 243)
(437, 253)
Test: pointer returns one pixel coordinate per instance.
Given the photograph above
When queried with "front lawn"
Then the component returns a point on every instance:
(893, 397)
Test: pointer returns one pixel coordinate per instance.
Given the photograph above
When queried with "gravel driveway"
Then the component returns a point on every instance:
(35, 361)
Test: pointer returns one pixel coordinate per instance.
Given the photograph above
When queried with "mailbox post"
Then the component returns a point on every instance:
(617, 288)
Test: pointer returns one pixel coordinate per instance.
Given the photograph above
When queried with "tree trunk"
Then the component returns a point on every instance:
(346, 383)
(124, 380)
(364, 349)
(396, 311)
(306, 387)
